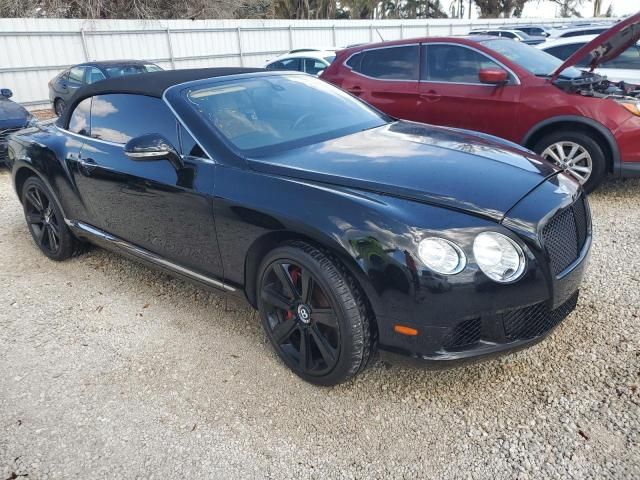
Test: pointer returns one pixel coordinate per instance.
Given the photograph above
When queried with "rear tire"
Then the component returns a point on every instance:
(46, 222)
(578, 154)
(314, 314)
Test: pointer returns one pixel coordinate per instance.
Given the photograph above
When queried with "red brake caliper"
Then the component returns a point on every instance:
(295, 276)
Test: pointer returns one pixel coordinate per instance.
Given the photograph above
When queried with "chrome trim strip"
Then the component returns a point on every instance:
(147, 154)
(145, 254)
(84, 137)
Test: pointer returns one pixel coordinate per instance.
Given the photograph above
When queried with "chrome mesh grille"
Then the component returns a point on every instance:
(464, 334)
(536, 320)
(565, 234)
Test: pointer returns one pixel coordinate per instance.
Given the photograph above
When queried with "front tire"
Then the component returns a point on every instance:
(46, 222)
(314, 314)
(578, 154)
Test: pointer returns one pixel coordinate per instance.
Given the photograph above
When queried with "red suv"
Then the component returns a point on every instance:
(579, 120)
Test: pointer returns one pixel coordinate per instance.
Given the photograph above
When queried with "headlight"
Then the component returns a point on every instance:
(441, 256)
(633, 107)
(499, 257)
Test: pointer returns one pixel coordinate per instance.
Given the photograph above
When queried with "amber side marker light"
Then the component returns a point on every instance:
(402, 330)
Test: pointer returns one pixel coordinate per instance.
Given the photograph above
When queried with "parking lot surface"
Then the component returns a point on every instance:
(111, 370)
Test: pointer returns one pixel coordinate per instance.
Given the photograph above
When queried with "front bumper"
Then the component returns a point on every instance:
(485, 337)
(483, 319)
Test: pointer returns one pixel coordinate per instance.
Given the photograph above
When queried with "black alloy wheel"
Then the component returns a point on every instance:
(313, 314)
(46, 222)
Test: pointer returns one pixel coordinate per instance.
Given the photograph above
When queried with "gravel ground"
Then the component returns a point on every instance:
(111, 370)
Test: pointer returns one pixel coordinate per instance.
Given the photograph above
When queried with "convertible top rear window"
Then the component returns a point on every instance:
(262, 115)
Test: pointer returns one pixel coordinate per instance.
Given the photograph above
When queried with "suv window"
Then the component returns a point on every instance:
(313, 66)
(455, 64)
(354, 61)
(120, 117)
(579, 33)
(392, 63)
(79, 122)
(630, 59)
(288, 64)
(76, 74)
(508, 34)
(564, 51)
(95, 75)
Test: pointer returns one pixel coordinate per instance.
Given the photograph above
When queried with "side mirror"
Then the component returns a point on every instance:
(319, 74)
(152, 147)
(493, 76)
(5, 92)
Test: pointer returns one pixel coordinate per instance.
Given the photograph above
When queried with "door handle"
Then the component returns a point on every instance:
(357, 91)
(430, 96)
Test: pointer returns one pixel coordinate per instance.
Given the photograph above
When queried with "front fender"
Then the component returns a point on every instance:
(376, 236)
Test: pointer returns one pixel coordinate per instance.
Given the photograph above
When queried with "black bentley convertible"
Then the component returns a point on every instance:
(350, 231)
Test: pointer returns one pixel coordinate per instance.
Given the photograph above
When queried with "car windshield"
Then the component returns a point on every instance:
(264, 115)
(122, 70)
(330, 58)
(530, 58)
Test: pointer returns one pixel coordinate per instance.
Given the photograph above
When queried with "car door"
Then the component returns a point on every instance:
(451, 93)
(150, 204)
(387, 78)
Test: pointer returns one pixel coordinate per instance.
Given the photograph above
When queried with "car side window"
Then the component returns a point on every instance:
(188, 145)
(564, 51)
(76, 75)
(79, 122)
(392, 63)
(313, 66)
(118, 118)
(94, 75)
(288, 64)
(454, 64)
(354, 61)
(508, 35)
(630, 59)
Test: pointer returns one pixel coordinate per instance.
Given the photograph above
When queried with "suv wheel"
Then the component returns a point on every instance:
(577, 154)
(314, 314)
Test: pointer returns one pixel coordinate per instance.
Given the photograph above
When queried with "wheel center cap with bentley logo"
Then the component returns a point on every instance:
(304, 313)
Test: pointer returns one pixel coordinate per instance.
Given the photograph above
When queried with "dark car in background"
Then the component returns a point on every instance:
(517, 35)
(65, 84)
(348, 230)
(13, 117)
(531, 30)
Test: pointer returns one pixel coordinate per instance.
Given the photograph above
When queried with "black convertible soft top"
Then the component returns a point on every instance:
(152, 84)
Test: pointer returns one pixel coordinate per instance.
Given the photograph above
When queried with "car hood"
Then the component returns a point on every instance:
(454, 168)
(12, 115)
(606, 46)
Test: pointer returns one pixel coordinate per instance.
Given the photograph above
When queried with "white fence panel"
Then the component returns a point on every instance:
(35, 50)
